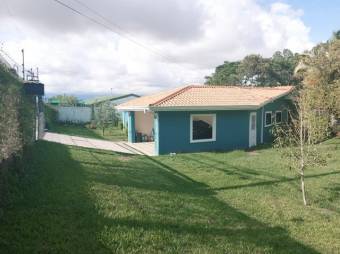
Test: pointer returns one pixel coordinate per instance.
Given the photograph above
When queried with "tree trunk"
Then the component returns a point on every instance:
(302, 159)
(303, 189)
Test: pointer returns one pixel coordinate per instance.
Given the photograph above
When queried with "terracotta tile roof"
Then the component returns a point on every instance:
(198, 96)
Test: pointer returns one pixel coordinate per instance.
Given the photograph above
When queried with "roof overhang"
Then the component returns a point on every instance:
(133, 108)
(276, 97)
(205, 108)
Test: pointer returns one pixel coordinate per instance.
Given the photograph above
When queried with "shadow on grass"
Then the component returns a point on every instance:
(50, 212)
(224, 223)
(277, 181)
(55, 211)
(248, 173)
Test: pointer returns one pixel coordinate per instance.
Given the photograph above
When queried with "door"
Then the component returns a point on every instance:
(252, 129)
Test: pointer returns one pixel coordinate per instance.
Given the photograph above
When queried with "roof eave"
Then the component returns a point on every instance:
(205, 108)
(132, 108)
(276, 97)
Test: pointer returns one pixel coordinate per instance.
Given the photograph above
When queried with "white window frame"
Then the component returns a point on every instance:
(265, 118)
(213, 129)
(278, 111)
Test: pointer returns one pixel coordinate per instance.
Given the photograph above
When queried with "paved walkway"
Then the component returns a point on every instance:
(119, 146)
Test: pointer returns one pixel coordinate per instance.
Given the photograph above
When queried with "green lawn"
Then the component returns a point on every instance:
(75, 200)
(111, 133)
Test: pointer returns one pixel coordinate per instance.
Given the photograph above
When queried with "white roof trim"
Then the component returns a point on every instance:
(132, 108)
(205, 108)
(275, 98)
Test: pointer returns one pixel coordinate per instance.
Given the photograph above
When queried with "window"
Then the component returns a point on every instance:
(278, 116)
(268, 119)
(289, 117)
(202, 128)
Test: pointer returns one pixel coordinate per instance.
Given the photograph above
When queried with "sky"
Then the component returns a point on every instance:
(147, 46)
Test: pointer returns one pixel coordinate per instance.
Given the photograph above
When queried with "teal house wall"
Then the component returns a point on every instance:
(232, 132)
(172, 129)
(283, 105)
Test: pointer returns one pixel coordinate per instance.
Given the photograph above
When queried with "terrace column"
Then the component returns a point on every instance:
(131, 127)
(156, 132)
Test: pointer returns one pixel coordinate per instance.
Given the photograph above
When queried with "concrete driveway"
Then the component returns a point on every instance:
(118, 146)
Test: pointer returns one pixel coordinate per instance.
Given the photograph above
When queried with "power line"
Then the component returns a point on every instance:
(9, 57)
(121, 32)
(11, 15)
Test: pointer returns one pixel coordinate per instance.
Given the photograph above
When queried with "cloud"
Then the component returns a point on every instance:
(190, 37)
(172, 19)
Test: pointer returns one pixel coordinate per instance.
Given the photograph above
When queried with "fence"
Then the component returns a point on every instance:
(74, 114)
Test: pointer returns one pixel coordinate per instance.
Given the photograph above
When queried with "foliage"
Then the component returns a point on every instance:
(320, 68)
(65, 100)
(257, 70)
(93, 201)
(105, 115)
(51, 116)
(16, 116)
(226, 73)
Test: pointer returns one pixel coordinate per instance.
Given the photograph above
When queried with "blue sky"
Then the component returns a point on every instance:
(322, 16)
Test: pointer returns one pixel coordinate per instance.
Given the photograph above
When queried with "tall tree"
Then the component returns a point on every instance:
(281, 69)
(253, 70)
(257, 70)
(225, 74)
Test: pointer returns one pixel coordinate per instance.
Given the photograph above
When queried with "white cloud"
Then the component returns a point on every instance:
(89, 59)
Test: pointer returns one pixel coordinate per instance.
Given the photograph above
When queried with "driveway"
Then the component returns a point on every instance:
(118, 146)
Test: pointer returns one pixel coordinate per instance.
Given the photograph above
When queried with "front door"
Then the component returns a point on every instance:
(252, 129)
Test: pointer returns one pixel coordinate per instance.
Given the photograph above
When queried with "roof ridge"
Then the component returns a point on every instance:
(243, 86)
(171, 96)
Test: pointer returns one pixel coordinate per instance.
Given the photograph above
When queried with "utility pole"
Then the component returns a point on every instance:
(23, 64)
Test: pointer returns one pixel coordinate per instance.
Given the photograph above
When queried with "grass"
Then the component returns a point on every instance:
(74, 200)
(112, 133)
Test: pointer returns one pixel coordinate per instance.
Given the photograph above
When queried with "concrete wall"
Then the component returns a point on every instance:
(74, 114)
(144, 122)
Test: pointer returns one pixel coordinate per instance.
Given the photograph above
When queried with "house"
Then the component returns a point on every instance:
(206, 118)
(113, 100)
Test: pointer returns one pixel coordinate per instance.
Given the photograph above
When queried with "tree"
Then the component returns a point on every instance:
(225, 74)
(65, 100)
(105, 115)
(320, 67)
(253, 70)
(257, 70)
(281, 69)
(301, 137)
(317, 100)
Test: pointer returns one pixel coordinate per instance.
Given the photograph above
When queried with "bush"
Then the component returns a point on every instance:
(17, 125)
(51, 115)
